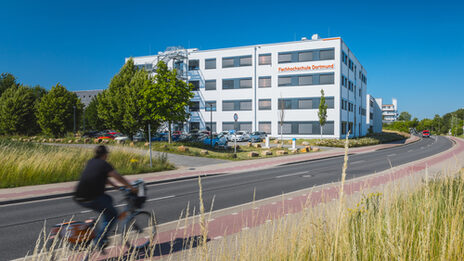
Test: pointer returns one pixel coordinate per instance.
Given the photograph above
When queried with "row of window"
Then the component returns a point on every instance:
(265, 59)
(265, 104)
(266, 81)
(348, 106)
(288, 127)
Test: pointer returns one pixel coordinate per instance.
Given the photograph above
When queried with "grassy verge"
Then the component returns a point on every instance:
(371, 139)
(29, 163)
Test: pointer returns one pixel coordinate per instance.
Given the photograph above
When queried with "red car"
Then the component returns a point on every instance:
(106, 136)
(425, 134)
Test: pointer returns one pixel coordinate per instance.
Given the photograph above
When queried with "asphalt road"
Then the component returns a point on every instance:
(20, 224)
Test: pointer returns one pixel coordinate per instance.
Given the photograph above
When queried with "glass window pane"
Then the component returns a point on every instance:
(245, 127)
(329, 102)
(305, 104)
(326, 79)
(265, 127)
(305, 128)
(194, 65)
(210, 85)
(328, 128)
(285, 81)
(264, 59)
(196, 85)
(264, 82)
(226, 126)
(305, 80)
(228, 105)
(227, 62)
(326, 54)
(285, 57)
(227, 84)
(245, 83)
(286, 128)
(208, 106)
(245, 61)
(305, 56)
(245, 105)
(288, 104)
(210, 63)
(264, 104)
(195, 106)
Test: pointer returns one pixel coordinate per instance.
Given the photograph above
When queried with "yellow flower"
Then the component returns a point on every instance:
(134, 160)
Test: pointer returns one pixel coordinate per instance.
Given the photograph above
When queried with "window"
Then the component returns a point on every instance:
(305, 56)
(237, 61)
(265, 59)
(306, 79)
(327, 54)
(304, 103)
(265, 126)
(245, 61)
(343, 127)
(227, 62)
(194, 126)
(264, 82)
(350, 127)
(326, 78)
(208, 126)
(210, 106)
(196, 85)
(264, 104)
(246, 83)
(194, 65)
(210, 85)
(285, 57)
(227, 84)
(195, 106)
(210, 63)
(236, 105)
(285, 81)
(306, 127)
(236, 83)
(239, 126)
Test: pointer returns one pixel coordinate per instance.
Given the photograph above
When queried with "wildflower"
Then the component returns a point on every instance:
(134, 160)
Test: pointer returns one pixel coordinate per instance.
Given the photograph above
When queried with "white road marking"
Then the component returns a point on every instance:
(391, 155)
(85, 211)
(121, 205)
(293, 174)
(410, 150)
(356, 162)
(306, 176)
(154, 199)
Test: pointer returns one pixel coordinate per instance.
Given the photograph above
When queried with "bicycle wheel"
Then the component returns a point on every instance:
(139, 230)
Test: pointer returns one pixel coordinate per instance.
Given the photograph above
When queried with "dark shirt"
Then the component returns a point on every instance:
(93, 179)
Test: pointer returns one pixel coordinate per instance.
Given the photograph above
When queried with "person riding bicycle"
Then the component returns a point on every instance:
(90, 192)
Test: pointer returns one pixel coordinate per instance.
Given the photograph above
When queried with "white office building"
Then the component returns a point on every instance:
(389, 111)
(373, 115)
(254, 82)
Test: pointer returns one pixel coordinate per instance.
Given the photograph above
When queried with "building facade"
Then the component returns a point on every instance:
(255, 88)
(389, 111)
(373, 115)
(87, 96)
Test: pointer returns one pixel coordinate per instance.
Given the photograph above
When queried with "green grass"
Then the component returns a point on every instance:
(26, 163)
(371, 139)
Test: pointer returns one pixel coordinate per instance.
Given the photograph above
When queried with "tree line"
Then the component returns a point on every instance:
(451, 122)
(133, 99)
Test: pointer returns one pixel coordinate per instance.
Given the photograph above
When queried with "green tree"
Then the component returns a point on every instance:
(322, 113)
(17, 111)
(38, 92)
(55, 111)
(7, 81)
(112, 106)
(92, 120)
(166, 100)
(404, 116)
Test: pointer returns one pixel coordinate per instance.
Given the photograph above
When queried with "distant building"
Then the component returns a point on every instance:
(86, 96)
(373, 115)
(389, 111)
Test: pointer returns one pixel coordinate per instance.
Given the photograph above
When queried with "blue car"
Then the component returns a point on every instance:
(258, 136)
(218, 141)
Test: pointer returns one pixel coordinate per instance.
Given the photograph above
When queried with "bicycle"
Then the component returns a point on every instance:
(138, 228)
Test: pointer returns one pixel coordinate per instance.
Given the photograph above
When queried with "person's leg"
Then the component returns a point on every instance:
(104, 205)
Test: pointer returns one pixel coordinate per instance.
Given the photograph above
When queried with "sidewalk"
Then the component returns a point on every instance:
(21, 194)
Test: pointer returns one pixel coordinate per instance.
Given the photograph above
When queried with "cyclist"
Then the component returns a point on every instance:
(90, 192)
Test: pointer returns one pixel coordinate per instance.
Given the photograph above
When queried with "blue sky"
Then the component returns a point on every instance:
(413, 51)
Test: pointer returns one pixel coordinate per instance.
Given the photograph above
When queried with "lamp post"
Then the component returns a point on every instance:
(211, 123)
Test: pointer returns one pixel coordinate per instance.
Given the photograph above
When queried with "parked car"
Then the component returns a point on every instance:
(218, 140)
(160, 137)
(425, 134)
(139, 136)
(258, 136)
(239, 136)
(226, 134)
(106, 136)
(120, 137)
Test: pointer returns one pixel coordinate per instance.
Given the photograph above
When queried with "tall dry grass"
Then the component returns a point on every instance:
(23, 164)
